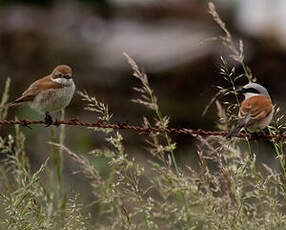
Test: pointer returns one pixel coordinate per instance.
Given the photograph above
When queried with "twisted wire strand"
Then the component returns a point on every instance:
(143, 129)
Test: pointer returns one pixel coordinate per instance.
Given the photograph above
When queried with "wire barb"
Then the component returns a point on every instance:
(145, 129)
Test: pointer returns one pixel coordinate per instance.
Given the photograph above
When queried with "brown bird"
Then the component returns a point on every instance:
(256, 111)
(49, 94)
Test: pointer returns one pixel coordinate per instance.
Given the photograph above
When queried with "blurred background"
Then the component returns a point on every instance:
(168, 38)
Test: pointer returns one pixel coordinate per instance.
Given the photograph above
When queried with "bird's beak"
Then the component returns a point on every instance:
(67, 76)
(240, 90)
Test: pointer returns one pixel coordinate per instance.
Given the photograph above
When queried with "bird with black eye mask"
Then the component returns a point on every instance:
(256, 111)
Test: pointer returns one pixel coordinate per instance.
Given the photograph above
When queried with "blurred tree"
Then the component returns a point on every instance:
(49, 2)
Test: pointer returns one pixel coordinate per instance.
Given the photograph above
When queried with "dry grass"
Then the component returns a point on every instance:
(227, 191)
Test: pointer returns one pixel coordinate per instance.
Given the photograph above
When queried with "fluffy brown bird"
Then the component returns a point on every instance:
(49, 94)
(256, 111)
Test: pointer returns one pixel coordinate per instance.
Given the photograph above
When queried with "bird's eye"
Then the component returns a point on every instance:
(251, 90)
(60, 74)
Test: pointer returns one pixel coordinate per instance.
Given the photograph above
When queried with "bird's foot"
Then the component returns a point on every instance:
(48, 120)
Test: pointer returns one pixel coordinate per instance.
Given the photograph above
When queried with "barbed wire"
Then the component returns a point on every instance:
(142, 129)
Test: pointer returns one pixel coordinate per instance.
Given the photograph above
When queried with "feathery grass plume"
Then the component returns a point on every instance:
(24, 203)
(87, 169)
(22, 210)
(96, 106)
(239, 188)
(278, 126)
(147, 96)
(227, 40)
(228, 73)
(148, 99)
(74, 219)
(122, 184)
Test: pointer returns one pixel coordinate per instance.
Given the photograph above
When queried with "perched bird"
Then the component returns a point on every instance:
(49, 94)
(256, 111)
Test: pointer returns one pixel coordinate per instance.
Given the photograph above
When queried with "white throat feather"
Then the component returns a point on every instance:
(63, 81)
(248, 95)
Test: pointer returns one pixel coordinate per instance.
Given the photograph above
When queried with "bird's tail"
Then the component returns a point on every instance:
(8, 105)
(241, 124)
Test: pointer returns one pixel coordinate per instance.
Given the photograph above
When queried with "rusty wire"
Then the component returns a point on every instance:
(142, 129)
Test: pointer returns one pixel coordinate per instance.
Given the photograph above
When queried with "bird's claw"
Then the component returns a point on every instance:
(48, 120)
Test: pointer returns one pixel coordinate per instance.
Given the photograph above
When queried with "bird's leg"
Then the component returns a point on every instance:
(56, 123)
(48, 119)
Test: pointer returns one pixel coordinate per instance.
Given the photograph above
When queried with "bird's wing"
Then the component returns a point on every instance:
(252, 110)
(35, 88)
(256, 107)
